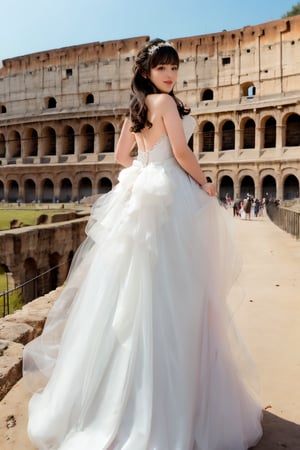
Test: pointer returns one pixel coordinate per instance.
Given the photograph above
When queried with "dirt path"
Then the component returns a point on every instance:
(268, 318)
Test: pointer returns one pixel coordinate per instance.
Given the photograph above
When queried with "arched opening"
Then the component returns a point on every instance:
(269, 187)
(2, 146)
(107, 138)
(68, 141)
(65, 190)
(13, 191)
(228, 138)
(104, 185)
(249, 134)
(84, 188)
(270, 133)
(29, 191)
(247, 187)
(290, 188)
(226, 189)
(47, 191)
(3, 109)
(48, 141)
(208, 137)
(51, 103)
(89, 99)
(208, 94)
(292, 131)
(87, 139)
(248, 89)
(14, 144)
(30, 142)
(30, 289)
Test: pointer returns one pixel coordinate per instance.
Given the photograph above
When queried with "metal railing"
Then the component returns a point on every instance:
(18, 291)
(285, 218)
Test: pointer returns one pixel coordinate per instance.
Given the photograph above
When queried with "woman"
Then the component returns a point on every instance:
(140, 352)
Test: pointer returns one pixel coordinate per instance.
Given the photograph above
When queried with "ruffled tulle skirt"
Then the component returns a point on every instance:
(140, 351)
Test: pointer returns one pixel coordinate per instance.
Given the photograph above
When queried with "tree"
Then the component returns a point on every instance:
(294, 11)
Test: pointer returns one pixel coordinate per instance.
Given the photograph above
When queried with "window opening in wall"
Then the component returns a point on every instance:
(3, 109)
(89, 99)
(109, 84)
(69, 73)
(51, 103)
(226, 61)
(185, 83)
(251, 91)
(208, 94)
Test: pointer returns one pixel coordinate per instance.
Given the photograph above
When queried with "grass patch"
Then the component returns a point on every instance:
(15, 297)
(24, 216)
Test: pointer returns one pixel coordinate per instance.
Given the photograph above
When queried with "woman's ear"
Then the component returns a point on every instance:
(144, 75)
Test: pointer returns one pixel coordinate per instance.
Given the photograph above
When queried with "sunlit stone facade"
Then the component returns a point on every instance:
(61, 112)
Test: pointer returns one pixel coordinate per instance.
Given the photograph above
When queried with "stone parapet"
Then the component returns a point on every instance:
(16, 330)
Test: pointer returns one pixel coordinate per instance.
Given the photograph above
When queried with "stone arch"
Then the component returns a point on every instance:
(84, 188)
(208, 137)
(87, 139)
(107, 138)
(68, 141)
(47, 191)
(65, 190)
(268, 185)
(2, 146)
(30, 142)
(48, 141)
(14, 144)
(13, 191)
(292, 130)
(226, 187)
(228, 135)
(290, 187)
(248, 134)
(248, 89)
(247, 186)
(207, 94)
(30, 289)
(104, 185)
(29, 191)
(269, 132)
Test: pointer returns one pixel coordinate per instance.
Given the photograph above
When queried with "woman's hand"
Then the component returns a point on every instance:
(209, 188)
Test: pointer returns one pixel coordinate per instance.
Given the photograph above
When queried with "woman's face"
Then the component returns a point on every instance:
(164, 77)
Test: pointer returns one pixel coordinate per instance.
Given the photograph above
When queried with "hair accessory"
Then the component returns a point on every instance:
(153, 48)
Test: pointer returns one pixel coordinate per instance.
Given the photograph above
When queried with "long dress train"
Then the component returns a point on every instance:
(140, 351)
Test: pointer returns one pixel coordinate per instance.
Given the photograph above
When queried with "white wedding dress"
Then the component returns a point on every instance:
(140, 351)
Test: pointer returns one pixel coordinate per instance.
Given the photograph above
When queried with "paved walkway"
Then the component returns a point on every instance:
(269, 320)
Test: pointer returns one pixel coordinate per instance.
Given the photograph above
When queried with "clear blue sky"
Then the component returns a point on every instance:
(29, 26)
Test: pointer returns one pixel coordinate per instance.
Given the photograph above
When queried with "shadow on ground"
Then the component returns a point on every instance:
(279, 433)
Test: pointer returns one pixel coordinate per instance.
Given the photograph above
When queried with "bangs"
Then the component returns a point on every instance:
(164, 55)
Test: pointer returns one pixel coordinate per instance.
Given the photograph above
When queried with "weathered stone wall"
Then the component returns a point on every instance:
(61, 112)
(30, 251)
(16, 330)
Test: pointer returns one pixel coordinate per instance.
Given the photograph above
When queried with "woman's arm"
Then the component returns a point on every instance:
(125, 145)
(183, 154)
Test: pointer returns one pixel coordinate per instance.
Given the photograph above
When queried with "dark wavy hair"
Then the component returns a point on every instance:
(154, 53)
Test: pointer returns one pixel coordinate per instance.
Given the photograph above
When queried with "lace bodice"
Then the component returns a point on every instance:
(162, 150)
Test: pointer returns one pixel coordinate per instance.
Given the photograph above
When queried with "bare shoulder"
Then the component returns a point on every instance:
(160, 100)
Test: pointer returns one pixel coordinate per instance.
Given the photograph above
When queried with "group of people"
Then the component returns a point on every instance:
(249, 206)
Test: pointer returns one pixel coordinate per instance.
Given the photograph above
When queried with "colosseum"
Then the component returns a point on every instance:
(61, 112)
